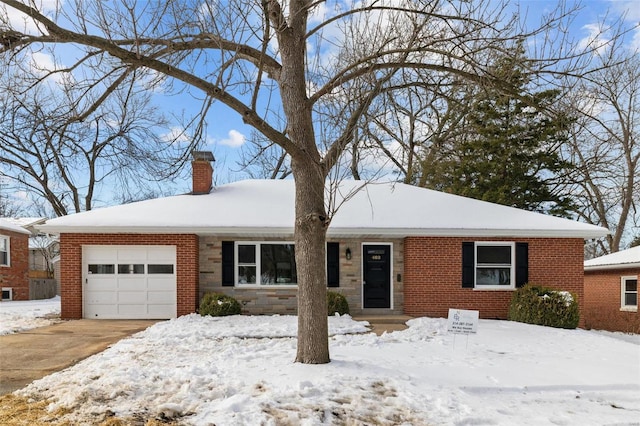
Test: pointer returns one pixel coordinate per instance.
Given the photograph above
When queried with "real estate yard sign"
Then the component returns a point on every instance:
(461, 321)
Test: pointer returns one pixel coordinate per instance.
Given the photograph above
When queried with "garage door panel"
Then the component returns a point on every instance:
(131, 255)
(102, 311)
(132, 297)
(103, 284)
(102, 297)
(161, 255)
(130, 289)
(160, 297)
(133, 284)
(163, 284)
(156, 311)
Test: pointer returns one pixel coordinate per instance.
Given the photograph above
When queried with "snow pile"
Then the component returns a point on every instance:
(16, 316)
(239, 370)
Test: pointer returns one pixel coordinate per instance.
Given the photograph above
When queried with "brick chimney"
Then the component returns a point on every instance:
(202, 172)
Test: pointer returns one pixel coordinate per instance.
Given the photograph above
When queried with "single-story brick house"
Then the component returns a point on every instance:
(611, 291)
(14, 261)
(391, 249)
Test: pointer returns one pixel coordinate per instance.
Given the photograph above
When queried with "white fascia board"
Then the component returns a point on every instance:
(166, 230)
(417, 232)
(612, 266)
(332, 232)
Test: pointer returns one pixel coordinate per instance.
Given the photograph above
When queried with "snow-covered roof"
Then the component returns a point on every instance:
(9, 226)
(266, 207)
(26, 222)
(629, 258)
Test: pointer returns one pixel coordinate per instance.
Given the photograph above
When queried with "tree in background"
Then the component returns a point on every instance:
(605, 146)
(302, 73)
(62, 152)
(505, 148)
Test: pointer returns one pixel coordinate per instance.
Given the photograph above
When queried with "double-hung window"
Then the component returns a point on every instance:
(266, 263)
(495, 265)
(629, 293)
(4, 251)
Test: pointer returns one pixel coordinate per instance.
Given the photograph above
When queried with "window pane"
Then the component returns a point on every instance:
(102, 269)
(493, 276)
(631, 299)
(4, 258)
(631, 285)
(494, 255)
(3, 244)
(278, 264)
(246, 274)
(160, 269)
(131, 269)
(247, 254)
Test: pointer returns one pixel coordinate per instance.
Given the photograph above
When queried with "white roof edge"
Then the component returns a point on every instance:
(612, 266)
(333, 232)
(10, 227)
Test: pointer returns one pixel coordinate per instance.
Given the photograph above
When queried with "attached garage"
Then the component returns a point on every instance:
(129, 282)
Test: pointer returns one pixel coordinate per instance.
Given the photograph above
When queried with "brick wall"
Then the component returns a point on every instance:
(71, 266)
(283, 300)
(433, 274)
(16, 275)
(602, 294)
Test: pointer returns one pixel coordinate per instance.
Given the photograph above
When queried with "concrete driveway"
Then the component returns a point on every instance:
(33, 354)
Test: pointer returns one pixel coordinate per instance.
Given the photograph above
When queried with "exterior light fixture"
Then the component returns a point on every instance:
(347, 253)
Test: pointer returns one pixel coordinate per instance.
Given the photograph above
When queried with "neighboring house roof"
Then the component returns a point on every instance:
(629, 258)
(10, 226)
(266, 207)
(27, 223)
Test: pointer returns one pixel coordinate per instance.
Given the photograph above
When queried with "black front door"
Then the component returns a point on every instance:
(376, 269)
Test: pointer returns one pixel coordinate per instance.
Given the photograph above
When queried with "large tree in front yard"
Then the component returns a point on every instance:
(303, 73)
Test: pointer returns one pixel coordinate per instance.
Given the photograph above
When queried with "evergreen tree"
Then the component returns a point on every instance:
(506, 150)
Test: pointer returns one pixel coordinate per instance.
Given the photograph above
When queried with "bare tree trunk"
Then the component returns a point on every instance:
(310, 237)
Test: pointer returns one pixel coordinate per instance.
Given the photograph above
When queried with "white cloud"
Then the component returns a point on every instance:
(176, 135)
(22, 23)
(596, 38)
(235, 139)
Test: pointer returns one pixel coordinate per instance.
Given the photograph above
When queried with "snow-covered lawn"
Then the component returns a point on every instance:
(240, 371)
(16, 316)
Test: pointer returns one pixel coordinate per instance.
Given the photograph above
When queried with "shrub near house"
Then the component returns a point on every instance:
(543, 306)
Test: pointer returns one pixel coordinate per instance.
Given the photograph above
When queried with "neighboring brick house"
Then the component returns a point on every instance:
(391, 249)
(611, 291)
(14, 261)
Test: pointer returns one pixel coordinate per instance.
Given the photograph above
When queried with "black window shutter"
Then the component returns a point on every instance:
(228, 263)
(522, 264)
(333, 265)
(468, 264)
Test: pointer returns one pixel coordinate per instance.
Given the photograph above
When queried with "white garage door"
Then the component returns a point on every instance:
(129, 282)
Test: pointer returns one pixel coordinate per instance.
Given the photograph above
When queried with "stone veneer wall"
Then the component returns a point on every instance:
(282, 300)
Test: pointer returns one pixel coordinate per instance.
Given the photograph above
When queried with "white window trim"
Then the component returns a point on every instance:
(236, 263)
(8, 243)
(10, 290)
(512, 272)
(623, 307)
